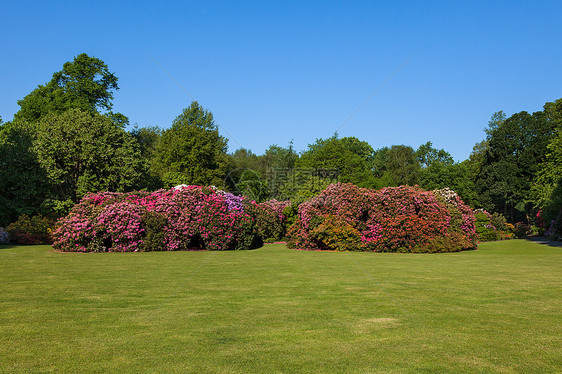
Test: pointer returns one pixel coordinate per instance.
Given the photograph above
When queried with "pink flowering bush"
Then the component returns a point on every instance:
(184, 218)
(393, 219)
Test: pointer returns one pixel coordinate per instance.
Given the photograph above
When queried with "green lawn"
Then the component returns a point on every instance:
(274, 310)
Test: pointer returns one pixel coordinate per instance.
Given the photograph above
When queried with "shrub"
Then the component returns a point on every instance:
(187, 217)
(4, 236)
(485, 229)
(270, 218)
(31, 230)
(393, 219)
(522, 230)
(554, 231)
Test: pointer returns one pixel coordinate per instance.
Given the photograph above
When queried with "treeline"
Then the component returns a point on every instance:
(66, 141)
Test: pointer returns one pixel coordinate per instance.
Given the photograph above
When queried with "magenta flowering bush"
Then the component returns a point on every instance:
(392, 219)
(183, 218)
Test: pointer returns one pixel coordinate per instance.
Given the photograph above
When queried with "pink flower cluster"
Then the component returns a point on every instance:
(392, 219)
(190, 217)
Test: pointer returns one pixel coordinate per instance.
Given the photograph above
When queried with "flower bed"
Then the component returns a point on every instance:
(182, 218)
(393, 219)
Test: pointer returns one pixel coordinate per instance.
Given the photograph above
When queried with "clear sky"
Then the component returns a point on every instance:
(276, 71)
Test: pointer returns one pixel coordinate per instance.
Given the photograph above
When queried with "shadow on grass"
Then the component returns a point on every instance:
(543, 240)
(8, 246)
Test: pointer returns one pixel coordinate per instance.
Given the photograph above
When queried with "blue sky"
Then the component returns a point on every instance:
(276, 71)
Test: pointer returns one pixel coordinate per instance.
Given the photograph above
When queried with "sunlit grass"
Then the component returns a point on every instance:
(497, 309)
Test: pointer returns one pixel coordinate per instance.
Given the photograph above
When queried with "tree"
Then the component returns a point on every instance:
(350, 156)
(516, 147)
(546, 192)
(277, 157)
(395, 166)
(85, 83)
(427, 156)
(147, 139)
(192, 151)
(84, 152)
(23, 183)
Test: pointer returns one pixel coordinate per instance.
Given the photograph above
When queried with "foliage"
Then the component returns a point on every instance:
(269, 218)
(31, 230)
(182, 218)
(428, 156)
(393, 219)
(85, 83)
(395, 166)
(546, 192)
(516, 147)
(485, 229)
(350, 156)
(522, 230)
(23, 183)
(82, 152)
(191, 151)
(4, 236)
(456, 176)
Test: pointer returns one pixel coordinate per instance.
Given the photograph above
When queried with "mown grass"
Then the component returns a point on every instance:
(274, 310)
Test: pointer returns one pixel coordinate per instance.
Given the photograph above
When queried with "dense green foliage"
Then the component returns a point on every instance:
(85, 83)
(191, 151)
(23, 185)
(82, 152)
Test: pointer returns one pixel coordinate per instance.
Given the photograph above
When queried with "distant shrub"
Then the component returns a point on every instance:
(31, 230)
(4, 236)
(554, 231)
(522, 230)
(485, 229)
(269, 217)
(393, 219)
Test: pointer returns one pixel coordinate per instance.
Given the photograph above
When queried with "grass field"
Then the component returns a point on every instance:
(274, 310)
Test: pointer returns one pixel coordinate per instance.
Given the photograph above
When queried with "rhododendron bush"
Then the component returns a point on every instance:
(392, 219)
(182, 218)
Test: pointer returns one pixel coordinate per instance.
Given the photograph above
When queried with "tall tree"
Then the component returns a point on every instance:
(192, 151)
(397, 165)
(546, 191)
(350, 156)
(23, 184)
(516, 147)
(85, 83)
(427, 156)
(86, 152)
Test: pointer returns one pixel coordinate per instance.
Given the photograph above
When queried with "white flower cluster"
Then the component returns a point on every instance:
(449, 195)
(4, 236)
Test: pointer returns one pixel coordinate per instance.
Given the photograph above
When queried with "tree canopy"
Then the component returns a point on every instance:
(85, 83)
(192, 151)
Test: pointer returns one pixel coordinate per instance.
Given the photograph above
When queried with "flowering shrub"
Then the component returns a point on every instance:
(485, 229)
(522, 230)
(554, 231)
(4, 236)
(270, 218)
(182, 218)
(490, 227)
(393, 219)
(31, 230)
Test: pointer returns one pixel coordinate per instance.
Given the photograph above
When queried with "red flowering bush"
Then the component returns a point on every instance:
(393, 219)
(31, 230)
(188, 217)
